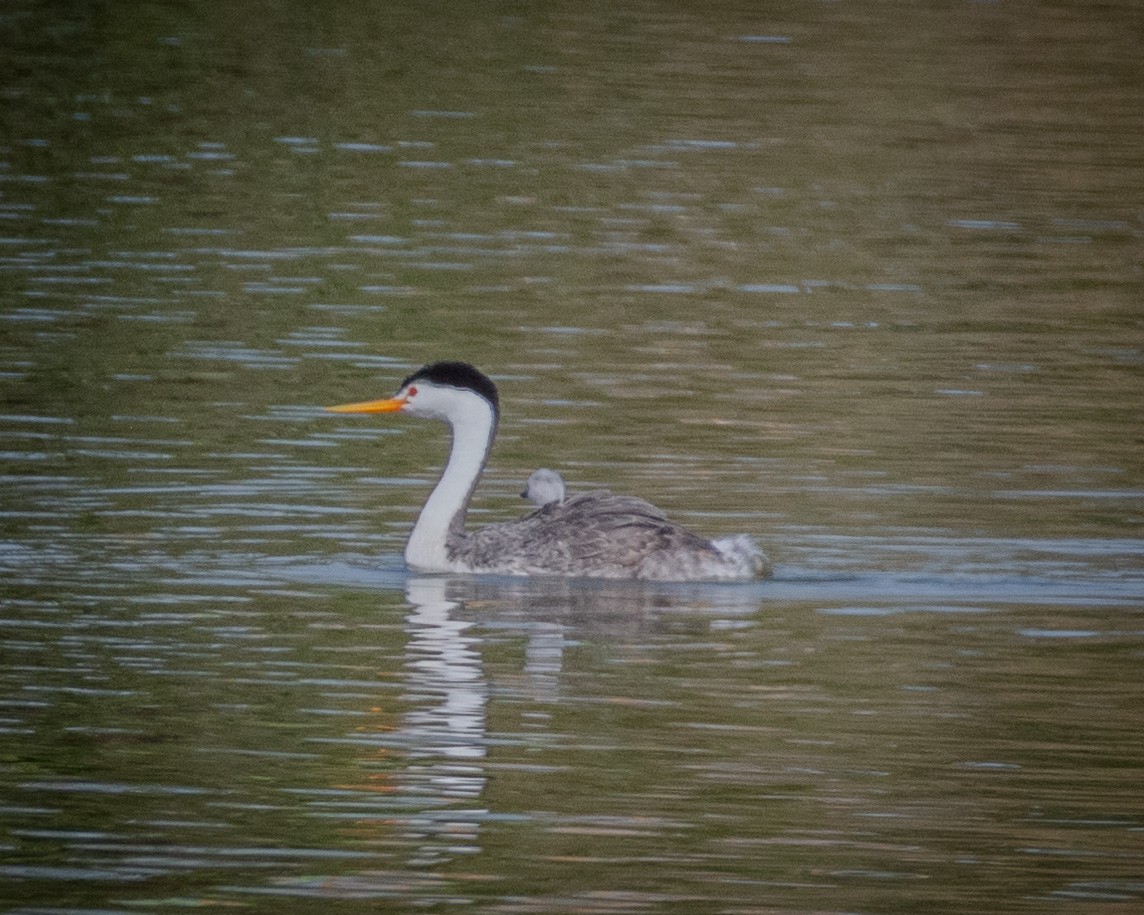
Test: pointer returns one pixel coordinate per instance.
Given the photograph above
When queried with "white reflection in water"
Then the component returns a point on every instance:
(443, 663)
(446, 729)
(544, 659)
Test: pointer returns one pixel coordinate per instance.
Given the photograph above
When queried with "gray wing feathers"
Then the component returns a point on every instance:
(598, 534)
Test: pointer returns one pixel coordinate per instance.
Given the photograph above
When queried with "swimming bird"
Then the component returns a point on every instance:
(544, 486)
(593, 534)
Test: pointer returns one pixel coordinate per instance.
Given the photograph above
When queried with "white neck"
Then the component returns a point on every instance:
(442, 520)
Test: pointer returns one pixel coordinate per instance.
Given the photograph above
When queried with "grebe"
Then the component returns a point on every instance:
(592, 534)
(544, 486)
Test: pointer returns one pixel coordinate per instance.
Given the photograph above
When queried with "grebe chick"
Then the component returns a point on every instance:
(544, 486)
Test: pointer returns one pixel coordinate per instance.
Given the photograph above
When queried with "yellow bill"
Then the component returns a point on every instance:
(389, 405)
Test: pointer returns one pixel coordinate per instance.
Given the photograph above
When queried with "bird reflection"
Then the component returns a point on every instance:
(445, 731)
(544, 659)
(444, 664)
(440, 740)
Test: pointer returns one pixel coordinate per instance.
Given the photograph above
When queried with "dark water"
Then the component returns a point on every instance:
(863, 280)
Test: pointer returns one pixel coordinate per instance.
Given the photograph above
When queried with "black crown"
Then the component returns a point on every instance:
(458, 375)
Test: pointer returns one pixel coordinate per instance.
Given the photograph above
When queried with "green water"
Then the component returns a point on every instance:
(862, 280)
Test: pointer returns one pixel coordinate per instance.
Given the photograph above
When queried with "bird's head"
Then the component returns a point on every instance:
(446, 391)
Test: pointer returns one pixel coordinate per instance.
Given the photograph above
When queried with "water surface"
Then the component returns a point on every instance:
(861, 280)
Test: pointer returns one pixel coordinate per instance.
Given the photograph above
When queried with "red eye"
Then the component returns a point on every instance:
(411, 392)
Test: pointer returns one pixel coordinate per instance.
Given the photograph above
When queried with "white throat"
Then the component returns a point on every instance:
(442, 520)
